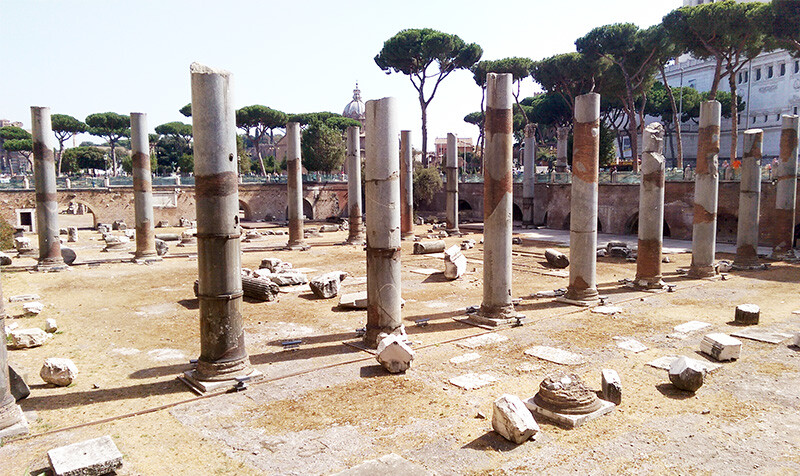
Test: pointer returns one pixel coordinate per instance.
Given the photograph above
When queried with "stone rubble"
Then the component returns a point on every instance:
(87, 458)
(5, 260)
(24, 298)
(50, 325)
(326, 286)
(394, 354)
(685, 374)
(427, 247)
(33, 308)
(747, 314)
(455, 263)
(611, 386)
(161, 247)
(57, 371)
(275, 265)
(27, 338)
(556, 258)
(357, 300)
(512, 420)
(68, 255)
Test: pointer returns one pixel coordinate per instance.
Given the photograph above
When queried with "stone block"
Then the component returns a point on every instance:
(691, 326)
(455, 263)
(161, 247)
(326, 285)
(721, 346)
(512, 420)
(685, 374)
(19, 388)
(275, 265)
(611, 386)
(5, 260)
(747, 314)
(61, 372)
(426, 247)
(394, 354)
(762, 335)
(556, 258)
(27, 338)
(473, 381)
(356, 300)
(50, 325)
(386, 465)
(72, 234)
(569, 420)
(558, 356)
(87, 458)
(68, 255)
(282, 279)
(24, 298)
(33, 308)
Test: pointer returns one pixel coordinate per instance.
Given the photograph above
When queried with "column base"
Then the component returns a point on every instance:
(191, 379)
(496, 316)
(297, 246)
(706, 271)
(649, 283)
(372, 336)
(146, 256)
(18, 423)
(453, 232)
(408, 236)
(783, 255)
(51, 265)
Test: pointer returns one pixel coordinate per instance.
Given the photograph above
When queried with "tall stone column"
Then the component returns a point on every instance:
(406, 186)
(497, 307)
(354, 208)
(142, 188)
(382, 173)
(451, 170)
(749, 201)
(706, 187)
(12, 421)
(785, 191)
(651, 209)
(294, 185)
(222, 350)
(44, 175)
(562, 135)
(529, 174)
(582, 289)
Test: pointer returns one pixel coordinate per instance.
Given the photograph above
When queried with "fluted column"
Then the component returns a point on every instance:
(529, 174)
(406, 186)
(651, 209)
(706, 187)
(44, 175)
(562, 135)
(142, 188)
(749, 201)
(451, 170)
(354, 208)
(785, 191)
(294, 188)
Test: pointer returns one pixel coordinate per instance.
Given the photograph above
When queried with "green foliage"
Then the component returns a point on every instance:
(6, 235)
(475, 118)
(549, 109)
(126, 162)
(245, 163)
(568, 74)
(14, 132)
(112, 127)
(178, 129)
(65, 126)
(84, 158)
(322, 148)
(608, 155)
(186, 110)
(341, 123)
(169, 150)
(519, 68)
(784, 24)
(18, 145)
(259, 120)
(427, 182)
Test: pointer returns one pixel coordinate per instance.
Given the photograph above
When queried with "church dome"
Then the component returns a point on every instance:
(355, 109)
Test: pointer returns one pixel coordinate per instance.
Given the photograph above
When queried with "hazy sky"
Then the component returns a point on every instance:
(84, 56)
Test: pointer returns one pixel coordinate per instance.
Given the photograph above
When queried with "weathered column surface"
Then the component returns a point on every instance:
(562, 135)
(12, 421)
(142, 189)
(354, 208)
(529, 174)
(382, 174)
(651, 209)
(749, 201)
(44, 176)
(497, 307)
(294, 186)
(785, 191)
(582, 287)
(706, 187)
(406, 186)
(222, 350)
(451, 171)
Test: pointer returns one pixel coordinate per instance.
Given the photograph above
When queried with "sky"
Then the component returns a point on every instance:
(79, 57)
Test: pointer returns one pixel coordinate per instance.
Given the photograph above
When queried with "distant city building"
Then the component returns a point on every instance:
(464, 145)
(356, 109)
(12, 162)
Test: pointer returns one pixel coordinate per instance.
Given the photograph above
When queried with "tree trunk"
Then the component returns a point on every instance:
(424, 108)
(113, 158)
(712, 96)
(675, 119)
(481, 136)
(60, 155)
(633, 133)
(734, 115)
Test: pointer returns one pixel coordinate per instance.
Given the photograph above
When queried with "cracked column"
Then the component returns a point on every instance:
(651, 209)
(142, 189)
(406, 186)
(12, 421)
(582, 289)
(382, 173)
(785, 191)
(223, 357)
(497, 307)
(562, 134)
(528, 174)
(294, 185)
(749, 202)
(354, 209)
(706, 186)
(44, 175)
(451, 187)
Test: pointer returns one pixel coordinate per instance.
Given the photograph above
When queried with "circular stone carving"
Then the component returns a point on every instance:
(565, 393)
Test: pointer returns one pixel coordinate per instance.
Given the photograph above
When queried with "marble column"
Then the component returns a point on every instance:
(44, 176)
(142, 189)
(354, 206)
(223, 357)
(528, 174)
(12, 421)
(406, 186)
(582, 289)
(382, 174)
(785, 191)
(651, 209)
(294, 186)
(562, 135)
(749, 202)
(451, 189)
(706, 187)
(497, 307)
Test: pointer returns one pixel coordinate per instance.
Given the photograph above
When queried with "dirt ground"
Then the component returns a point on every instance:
(325, 407)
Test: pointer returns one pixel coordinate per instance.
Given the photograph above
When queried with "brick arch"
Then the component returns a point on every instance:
(245, 211)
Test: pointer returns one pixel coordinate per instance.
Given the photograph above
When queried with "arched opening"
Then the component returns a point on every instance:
(464, 205)
(77, 213)
(727, 227)
(308, 210)
(245, 213)
(796, 234)
(567, 223)
(516, 213)
(632, 226)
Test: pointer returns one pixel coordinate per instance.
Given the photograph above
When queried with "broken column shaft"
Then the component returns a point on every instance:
(529, 174)
(582, 287)
(12, 421)
(383, 220)
(406, 185)
(354, 209)
(222, 349)
(294, 186)
(706, 186)
(749, 201)
(142, 188)
(497, 307)
(562, 135)
(44, 175)
(785, 191)
(451, 170)
(651, 209)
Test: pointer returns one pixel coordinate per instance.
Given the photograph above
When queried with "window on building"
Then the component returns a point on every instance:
(739, 79)
(783, 69)
(693, 84)
(746, 76)
(770, 71)
(758, 74)
(766, 118)
(797, 67)
(795, 110)
(778, 116)
(754, 119)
